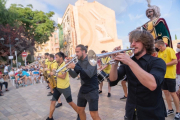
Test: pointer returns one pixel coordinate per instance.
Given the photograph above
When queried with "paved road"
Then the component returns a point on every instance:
(32, 103)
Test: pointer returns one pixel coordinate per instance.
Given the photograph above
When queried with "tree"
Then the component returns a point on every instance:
(175, 37)
(36, 23)
(22, 44)
(28, 25)
(7, 16)
(61, 38)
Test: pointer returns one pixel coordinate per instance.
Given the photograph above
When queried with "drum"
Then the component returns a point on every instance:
(101, 76)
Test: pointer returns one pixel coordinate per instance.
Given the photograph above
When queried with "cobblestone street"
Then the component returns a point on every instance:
(32, 103)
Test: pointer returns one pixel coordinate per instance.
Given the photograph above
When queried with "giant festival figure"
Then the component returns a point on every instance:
(157, 26)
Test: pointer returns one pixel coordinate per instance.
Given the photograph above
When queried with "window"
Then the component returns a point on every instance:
(55, 38)
(57, 49)
(39, 48)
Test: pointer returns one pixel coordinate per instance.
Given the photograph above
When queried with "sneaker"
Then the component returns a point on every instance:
(177, 116)
(100, 91)
(49, 94)
(58, 105)
(123, 98)
(48, 87)
(170, 112)
(50, 118)
(109, 95)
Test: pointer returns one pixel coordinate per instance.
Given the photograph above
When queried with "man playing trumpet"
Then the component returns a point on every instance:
(145, 75)
(63, 86)
(88, 92)
(52, 66)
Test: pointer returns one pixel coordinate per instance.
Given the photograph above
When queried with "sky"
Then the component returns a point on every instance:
(130, 14)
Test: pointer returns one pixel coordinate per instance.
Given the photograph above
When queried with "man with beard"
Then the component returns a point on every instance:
(145, 75)
(63, 86)
(88, 92)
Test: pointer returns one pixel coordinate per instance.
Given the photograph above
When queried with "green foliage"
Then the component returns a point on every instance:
(28, 59)
(175, 37)
(38, 24)
(6, 16)
(61, 40)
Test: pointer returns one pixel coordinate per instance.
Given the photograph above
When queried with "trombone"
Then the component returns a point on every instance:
(74, 59)
(93, 57)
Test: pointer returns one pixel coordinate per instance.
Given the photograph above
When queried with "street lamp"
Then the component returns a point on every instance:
(2, 40)
(16, 39)
(8, 45)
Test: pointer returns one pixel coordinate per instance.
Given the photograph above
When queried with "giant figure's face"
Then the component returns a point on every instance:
(150, 13)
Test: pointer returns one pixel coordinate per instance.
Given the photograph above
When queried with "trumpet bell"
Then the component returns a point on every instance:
(92, 58)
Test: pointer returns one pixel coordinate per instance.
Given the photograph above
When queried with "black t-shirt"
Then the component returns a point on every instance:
(149, 104)
(88, 75)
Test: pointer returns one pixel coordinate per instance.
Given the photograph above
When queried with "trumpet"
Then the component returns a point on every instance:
(93, 57)
(74, 59)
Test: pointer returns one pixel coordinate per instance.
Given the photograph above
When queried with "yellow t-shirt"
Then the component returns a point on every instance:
(54, 65)
(168, 55)
(105, 61)
(46, 61)
(48, 66)
(63, 83)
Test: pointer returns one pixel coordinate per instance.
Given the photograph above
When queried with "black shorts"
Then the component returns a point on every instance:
(169, 84)
(92, 99)
(66, 92)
